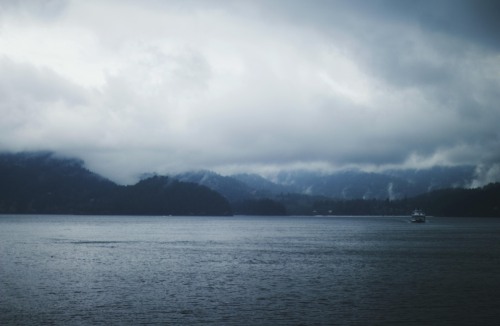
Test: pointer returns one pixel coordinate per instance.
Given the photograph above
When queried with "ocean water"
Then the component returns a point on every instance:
(142, 270)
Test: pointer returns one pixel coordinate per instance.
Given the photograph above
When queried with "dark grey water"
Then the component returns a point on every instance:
(90, 270)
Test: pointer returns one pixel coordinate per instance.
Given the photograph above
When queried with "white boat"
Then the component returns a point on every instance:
(418, 216)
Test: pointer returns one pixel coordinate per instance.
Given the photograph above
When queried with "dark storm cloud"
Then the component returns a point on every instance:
(476, 21)
(164, 86)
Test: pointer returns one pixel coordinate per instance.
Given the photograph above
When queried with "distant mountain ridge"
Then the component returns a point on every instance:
(346, 185)
(440, 191)
(231, 188)
(392, 184)
(349, 192)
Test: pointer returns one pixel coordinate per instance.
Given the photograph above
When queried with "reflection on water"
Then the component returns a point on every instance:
(68, 270)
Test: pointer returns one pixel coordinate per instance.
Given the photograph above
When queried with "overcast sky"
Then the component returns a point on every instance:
(257, 86)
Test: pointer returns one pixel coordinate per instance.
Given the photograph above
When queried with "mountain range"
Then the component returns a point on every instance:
(346, 185)
(43, 182)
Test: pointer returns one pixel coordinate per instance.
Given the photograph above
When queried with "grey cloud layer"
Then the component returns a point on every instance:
(155, 86)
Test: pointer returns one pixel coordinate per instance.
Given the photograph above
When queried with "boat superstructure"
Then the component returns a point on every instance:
(418, 216)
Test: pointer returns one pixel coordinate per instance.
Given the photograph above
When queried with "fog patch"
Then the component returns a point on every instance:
(485, 174)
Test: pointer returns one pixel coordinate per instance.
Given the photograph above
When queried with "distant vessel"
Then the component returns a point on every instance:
(418, 216)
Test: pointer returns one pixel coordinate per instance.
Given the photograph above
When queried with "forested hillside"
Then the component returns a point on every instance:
(480, 202)
(43, 183)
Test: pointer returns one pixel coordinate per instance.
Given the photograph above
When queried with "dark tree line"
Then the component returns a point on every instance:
(483, 201)
(264, 206)
(447, 202)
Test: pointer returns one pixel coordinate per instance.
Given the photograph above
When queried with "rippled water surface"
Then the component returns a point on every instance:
(96, 270)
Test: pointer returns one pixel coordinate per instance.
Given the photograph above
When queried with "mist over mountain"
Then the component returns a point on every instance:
(244, 196)
(232, 189)
(348, 192)
(44, 182)
(263, 186)
(439, 191)
(392, 184)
